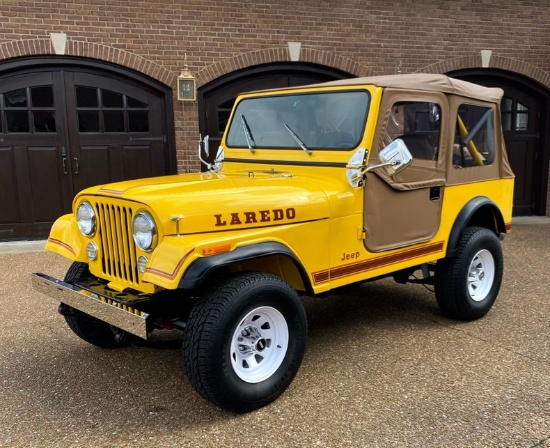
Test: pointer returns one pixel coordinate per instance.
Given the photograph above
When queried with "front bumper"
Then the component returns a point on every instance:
(95, 304)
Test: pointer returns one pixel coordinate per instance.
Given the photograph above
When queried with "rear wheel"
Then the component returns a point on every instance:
(86, 327)
(467, 285)
(245, 341)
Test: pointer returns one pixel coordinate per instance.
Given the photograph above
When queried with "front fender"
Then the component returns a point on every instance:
(66, 240)
(199, 270)
(168, 261)
(181, 263)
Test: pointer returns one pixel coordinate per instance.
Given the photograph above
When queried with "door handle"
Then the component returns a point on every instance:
(435, 193)
(64, 160)
(76, 166)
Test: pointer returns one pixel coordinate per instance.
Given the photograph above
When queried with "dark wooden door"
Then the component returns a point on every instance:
(62, 131)
(116, 131)
(520, 122)
(35, 185)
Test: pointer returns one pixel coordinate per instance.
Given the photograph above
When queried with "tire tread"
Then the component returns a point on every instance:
(449, 285)
(202, 333)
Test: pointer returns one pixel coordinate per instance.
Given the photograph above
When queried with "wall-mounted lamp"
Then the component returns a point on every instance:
(187, 90)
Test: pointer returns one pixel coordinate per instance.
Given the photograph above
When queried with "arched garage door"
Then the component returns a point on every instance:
(67, 127)
(526, 124)
(217, 97)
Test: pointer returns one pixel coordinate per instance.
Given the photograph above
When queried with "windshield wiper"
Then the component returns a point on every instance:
(297, 139)
(248, 135)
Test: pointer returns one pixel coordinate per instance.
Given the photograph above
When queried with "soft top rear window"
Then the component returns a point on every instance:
(327, 120)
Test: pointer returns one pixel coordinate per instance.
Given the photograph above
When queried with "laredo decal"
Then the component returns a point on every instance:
(238, 218)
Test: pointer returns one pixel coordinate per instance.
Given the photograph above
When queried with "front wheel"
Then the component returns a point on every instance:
(245, 341)
(467, 285)
(86, 327)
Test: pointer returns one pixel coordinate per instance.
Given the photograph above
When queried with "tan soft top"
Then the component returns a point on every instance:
(425, 82)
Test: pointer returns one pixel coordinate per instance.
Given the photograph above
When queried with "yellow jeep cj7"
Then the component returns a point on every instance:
(312, 188)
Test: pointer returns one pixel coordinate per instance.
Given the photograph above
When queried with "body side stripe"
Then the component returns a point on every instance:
(62, 244)
(374, 263)
(170, 276)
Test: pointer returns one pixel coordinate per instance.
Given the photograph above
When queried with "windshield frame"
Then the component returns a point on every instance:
(359, 98)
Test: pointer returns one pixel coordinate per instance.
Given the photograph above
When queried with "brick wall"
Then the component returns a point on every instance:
(217, 36)
(373, 33)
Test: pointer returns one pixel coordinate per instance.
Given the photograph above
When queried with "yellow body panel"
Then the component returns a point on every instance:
(66, 240)
(499, 191)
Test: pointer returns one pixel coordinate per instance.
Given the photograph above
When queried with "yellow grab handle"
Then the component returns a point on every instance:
(470, 145)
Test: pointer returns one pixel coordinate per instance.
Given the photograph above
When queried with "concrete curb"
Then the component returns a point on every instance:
(13, 247)
(518, 220)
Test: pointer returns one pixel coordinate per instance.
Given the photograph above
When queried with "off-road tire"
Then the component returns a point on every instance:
(86, 327)
(467, 285)
(223, 319)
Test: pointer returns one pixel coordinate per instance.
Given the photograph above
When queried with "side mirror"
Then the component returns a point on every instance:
(204, 145)
(395, 157)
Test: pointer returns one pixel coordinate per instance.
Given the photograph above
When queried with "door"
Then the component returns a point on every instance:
(62, 131)
(520, 123)
(113, 133)
(35, 185)
(405, 209)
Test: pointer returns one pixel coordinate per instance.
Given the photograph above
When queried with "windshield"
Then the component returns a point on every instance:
(331, 120)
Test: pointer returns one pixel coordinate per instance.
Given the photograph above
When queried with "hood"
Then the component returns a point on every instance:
(214, 202)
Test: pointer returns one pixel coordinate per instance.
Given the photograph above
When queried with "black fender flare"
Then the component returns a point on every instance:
(198, 271)
(467, 216)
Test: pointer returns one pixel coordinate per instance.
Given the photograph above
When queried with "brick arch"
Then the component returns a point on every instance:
(497, 62)
(279, 54)
(41, 47)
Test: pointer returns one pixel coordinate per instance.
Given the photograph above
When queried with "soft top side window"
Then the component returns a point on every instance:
(474, 143)
(418, 124)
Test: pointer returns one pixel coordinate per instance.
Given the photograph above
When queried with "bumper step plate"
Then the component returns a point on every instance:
(99, 306)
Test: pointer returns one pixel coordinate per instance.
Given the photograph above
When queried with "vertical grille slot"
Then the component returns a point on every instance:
(118, 254)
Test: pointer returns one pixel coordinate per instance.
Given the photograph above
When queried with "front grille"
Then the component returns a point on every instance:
(118, 253)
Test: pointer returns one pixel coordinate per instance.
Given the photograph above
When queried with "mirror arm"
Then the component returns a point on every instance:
(355, 167)
(381, 165)
(373, 167)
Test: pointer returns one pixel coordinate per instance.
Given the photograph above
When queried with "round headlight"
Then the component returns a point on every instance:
(85, 217)
(144, 231)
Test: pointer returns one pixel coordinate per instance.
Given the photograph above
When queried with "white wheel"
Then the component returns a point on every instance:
(259, 344)
(245, 340)
(481, 275)
(467, 285)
